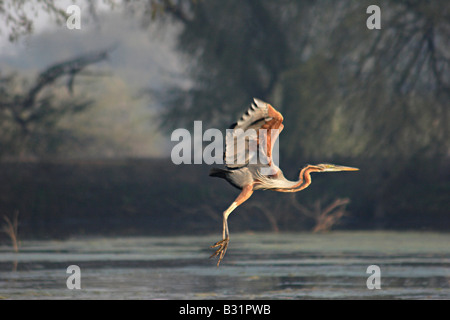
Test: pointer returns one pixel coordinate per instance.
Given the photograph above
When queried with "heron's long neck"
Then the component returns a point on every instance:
(304, 180)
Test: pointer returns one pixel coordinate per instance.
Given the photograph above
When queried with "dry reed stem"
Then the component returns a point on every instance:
(11, 229)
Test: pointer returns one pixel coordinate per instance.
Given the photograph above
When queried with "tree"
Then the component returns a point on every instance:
(345, 90)
(29, 113)
(226, 43)
(377, 97)
(19, 16)
(397, 79)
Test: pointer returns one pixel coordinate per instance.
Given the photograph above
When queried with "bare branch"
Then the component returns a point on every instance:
(70, 68)
(324, 218)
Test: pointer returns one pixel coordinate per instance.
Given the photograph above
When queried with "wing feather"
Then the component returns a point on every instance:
(246, 131)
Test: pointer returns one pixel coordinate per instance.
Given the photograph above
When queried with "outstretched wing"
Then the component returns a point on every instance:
(246, 140)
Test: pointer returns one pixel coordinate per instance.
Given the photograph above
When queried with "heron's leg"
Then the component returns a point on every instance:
(222, 245)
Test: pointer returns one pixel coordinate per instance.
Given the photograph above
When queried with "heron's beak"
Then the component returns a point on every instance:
(342, 168)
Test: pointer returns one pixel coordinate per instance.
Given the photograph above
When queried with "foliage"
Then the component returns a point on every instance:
(29, 112)
(345, 90)
(19, 16)
(155, 197)
(378, 99)
(374, 99)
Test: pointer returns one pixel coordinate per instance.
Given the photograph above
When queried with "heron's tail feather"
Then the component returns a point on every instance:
(220, 173)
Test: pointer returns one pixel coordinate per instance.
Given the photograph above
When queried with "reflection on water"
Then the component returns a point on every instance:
(257, 266)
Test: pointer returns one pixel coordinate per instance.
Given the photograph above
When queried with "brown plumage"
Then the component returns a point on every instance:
(248, 172)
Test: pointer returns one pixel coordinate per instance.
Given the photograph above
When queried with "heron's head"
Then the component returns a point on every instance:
(327, 167)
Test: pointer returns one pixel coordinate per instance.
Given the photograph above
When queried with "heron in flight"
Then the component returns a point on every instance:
(247, 175)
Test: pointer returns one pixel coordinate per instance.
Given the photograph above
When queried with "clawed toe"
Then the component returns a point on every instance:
(222, 249)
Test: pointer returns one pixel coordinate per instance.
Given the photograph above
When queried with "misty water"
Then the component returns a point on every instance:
(413, 265)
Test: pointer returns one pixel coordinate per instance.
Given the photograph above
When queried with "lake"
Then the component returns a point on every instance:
(412, 265)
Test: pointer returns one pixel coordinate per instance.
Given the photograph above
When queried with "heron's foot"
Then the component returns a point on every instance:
(222, 246)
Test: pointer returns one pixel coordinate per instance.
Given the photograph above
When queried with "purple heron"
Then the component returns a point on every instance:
(247, 176)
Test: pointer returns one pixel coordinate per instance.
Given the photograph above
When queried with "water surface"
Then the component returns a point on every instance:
(413, 265)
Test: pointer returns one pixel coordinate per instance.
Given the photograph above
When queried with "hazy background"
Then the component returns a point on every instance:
(122, 120)
(88, 153)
